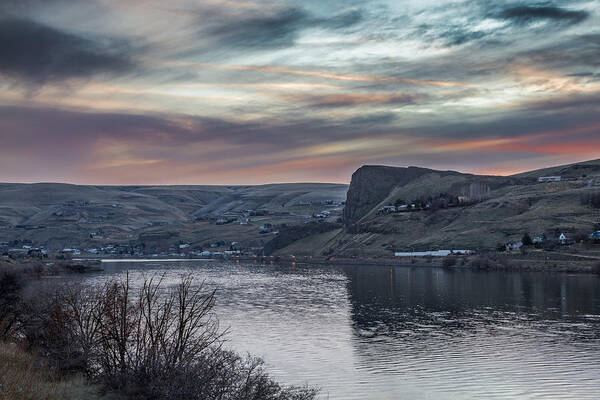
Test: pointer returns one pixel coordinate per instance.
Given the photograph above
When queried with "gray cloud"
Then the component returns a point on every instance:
(357, 100)
(459, 36)
(37, 53)
(280, 29)
(524, 15)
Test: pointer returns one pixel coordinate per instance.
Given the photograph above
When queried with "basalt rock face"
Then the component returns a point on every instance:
(371, 184)
(453, 210)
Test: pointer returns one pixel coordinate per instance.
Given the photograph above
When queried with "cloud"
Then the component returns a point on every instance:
(570, 52)
(107, 147)
(525, 15)
(357, 99)
(459, 36)
(37, 53)
(277, 30)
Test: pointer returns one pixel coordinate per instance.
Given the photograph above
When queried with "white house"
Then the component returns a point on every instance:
(562, 238)
(387, 209)
(555, 178)
(514, 245)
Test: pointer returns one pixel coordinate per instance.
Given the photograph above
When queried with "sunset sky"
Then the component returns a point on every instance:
(258, 91)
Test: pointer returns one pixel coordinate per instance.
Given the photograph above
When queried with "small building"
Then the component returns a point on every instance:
(562, 239)
(387, 209)
(37, 252)
(18, 252)
(266, 228)
(432, 253)
(514, 245)
(554, 178)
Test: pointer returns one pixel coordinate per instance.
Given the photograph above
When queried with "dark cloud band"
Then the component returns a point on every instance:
(525, 15)
(37, 53)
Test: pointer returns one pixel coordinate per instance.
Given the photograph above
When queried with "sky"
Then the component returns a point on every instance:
(259, 91)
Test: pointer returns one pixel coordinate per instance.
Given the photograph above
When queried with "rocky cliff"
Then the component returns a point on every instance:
(456, 210)
(372, 184)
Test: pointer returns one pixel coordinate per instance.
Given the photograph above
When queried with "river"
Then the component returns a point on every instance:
(406, 332)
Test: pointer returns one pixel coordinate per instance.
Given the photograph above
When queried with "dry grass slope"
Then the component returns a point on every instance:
(22, 377)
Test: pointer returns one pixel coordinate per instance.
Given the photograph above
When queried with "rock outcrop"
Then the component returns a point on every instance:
(371, 184)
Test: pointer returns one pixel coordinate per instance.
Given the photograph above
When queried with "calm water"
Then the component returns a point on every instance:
(408, 333)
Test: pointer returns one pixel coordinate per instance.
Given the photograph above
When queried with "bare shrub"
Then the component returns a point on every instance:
(155, 342)
(449, 261)
(493, 262)
(10, 302)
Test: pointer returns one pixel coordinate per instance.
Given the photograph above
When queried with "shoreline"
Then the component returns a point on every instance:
(485, 262)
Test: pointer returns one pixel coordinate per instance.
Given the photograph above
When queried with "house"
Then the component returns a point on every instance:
(432, 253)
(154, 223)
(387, 209)
(17, 253)
(266, 228)
(37, 252)
(549, 178)
(562, 239)
(514, 245)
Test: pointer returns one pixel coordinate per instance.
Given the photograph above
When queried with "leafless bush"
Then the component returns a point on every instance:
(10, 302)
(154, 342)
(449, 261)
(491, 262)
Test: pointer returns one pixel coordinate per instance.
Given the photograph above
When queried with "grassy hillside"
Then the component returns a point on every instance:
(492, 210)
(60, 215)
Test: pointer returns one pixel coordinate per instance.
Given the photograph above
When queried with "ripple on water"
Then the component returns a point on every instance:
(410, 333)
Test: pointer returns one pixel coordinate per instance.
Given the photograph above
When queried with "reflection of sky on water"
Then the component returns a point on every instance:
(409, 333)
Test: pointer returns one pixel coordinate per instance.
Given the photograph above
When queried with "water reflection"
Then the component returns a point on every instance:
(396, 301)
(465, 334)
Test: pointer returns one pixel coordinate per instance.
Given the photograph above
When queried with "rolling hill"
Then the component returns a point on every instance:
(59, 215)
(452, 210)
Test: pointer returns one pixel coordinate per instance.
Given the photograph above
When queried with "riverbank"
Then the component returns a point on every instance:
(50, 266)
(559, 262)
(487, 261)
